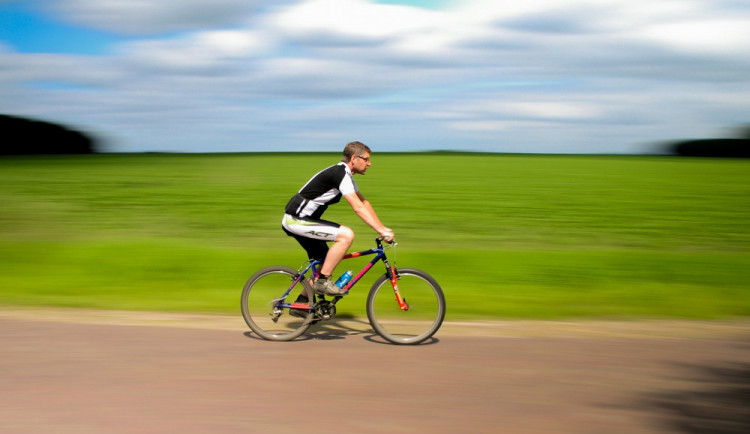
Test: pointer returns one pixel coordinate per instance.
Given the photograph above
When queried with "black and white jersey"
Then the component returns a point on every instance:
(324, 188)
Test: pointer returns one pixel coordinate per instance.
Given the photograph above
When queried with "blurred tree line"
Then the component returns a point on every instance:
(730, 148)
(22, 136)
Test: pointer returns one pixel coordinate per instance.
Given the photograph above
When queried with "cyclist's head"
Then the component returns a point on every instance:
(352, 149)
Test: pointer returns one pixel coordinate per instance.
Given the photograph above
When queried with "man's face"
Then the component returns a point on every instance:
(360, 163)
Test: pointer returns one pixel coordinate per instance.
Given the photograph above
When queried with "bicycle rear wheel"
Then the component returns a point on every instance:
(262, 304)
(426, 307)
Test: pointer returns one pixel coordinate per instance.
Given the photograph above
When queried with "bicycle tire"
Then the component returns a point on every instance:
(406, 327)
(259, 299)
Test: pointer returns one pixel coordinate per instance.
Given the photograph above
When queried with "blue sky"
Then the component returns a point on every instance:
(539, 76)
(29, 31)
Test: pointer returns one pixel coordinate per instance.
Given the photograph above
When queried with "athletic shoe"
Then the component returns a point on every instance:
(325, 286)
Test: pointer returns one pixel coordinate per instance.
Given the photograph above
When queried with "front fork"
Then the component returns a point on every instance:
(393, 276)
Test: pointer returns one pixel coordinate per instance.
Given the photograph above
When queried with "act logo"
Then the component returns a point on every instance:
(319, 234)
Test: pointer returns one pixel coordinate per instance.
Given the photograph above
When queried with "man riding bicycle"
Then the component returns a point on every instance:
(302, 215)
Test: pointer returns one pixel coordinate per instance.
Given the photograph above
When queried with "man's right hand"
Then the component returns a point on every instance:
(387, 235)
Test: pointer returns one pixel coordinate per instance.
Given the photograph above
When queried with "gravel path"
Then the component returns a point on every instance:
(71, 371)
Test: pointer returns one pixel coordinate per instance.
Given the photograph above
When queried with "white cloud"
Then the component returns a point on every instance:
(85, 71)
(197, 52)
(713, 36)
(354, 18)
(144, 17)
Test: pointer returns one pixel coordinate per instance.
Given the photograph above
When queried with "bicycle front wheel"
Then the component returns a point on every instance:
(266, 310)
(426, 307)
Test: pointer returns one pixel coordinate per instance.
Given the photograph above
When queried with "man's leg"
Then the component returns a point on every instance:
(312, 235)
(337, 250)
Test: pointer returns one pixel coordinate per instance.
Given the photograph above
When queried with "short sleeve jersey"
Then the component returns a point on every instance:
(326, 188)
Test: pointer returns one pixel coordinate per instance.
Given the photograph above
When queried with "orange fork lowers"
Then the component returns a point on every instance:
(394, 282)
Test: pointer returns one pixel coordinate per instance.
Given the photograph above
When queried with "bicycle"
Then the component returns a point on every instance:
(270, 315)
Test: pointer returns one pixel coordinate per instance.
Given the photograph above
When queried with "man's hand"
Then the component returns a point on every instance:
(387, 235)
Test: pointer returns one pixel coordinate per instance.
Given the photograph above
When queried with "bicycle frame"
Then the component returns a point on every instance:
(380, 255)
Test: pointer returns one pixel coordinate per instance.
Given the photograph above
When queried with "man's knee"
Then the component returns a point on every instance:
(346, 234)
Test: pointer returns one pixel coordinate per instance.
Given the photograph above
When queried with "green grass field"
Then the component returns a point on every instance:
(507, 236)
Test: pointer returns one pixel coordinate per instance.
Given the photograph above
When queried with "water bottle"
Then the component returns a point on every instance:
(344, 279)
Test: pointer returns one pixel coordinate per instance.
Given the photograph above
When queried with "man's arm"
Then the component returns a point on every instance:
(365, 211)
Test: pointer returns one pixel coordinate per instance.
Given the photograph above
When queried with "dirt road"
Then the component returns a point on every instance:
(88, 372)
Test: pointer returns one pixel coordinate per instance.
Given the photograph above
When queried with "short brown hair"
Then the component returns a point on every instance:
(354, 148)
